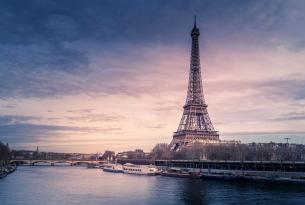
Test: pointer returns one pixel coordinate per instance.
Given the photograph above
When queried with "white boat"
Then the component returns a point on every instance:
(129, 168)
(117, 168)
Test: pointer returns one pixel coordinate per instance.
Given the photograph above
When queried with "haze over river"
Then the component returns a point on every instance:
(33, 185)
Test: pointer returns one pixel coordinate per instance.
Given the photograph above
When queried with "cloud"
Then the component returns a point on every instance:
(284, 88)
(291, 116)
(44, 57)
(21, 128)
(281, 88)
(55, 50)
(158, 126)
(257, 104)
(10, 106)
(99, 117)
(133, 75)
(168, 107)
(81, 111)
(29, 133)
(16, 119)
(62, 25)
(39, 71)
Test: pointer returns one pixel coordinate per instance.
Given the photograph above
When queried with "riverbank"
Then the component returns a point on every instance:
(284, 172)
(7, 169)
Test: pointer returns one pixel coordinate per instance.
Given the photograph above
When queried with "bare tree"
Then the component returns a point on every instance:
(161, 151)
(5, 153)
(233, 151)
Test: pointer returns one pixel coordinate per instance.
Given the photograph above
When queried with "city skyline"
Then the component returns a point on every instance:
(81, 76)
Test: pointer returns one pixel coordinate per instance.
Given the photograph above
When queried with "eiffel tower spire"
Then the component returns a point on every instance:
(195, 124)
(195, 92)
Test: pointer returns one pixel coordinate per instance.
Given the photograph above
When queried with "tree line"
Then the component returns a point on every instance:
(5, 154)
(232, 151)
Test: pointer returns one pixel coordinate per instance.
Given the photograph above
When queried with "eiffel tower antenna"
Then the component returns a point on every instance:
(195, 124)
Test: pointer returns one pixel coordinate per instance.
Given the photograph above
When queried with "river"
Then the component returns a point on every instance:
(55, 185)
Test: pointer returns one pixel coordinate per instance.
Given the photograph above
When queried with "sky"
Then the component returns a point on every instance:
(90, 76)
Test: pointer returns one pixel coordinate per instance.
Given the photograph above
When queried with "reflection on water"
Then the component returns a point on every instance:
(75, 185)
(193, 191)
(228, 192)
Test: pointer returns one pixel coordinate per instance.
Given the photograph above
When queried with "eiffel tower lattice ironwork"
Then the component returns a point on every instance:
(195, 124)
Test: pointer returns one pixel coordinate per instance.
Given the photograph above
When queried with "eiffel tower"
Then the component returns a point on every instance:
(195, 124)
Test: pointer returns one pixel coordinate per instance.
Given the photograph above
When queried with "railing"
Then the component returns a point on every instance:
(273, 166)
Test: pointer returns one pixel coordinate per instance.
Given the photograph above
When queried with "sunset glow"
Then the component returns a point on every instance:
(96, 77)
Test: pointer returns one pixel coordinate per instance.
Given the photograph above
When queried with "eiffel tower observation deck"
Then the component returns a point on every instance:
(195, 124)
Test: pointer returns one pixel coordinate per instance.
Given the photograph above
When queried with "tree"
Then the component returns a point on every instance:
(232, 151)
(5, 153)
(161, 151)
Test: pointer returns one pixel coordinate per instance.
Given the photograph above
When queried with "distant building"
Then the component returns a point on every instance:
(136, 154)
(108, 155)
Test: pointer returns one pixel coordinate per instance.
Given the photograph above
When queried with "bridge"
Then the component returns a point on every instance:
(54, 162)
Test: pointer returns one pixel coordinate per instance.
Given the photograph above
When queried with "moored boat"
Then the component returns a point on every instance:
(116, 168)
(140, 169)
(182, 173)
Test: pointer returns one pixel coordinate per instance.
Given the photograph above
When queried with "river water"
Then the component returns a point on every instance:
(46, 185)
